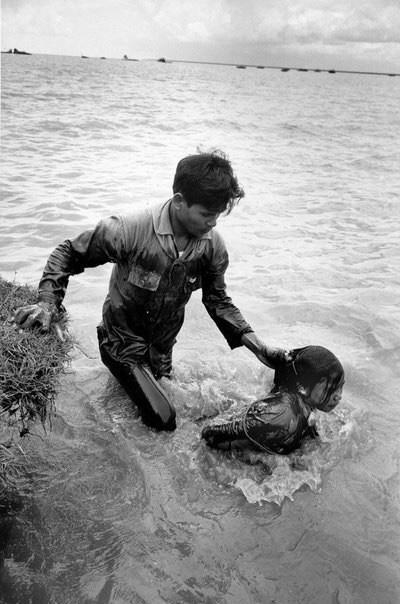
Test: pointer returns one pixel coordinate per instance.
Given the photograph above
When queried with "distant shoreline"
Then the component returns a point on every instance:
(286, 67)
(283, 68)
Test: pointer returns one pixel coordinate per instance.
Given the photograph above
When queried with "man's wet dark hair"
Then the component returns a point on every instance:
(208, 179)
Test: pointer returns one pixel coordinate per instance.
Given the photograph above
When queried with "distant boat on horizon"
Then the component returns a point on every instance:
(15, 51)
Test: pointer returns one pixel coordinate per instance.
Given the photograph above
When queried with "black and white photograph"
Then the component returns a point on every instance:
(200, 302)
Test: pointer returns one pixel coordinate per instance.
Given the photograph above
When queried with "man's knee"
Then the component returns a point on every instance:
(154, 420)
(140, 384)
(153, 402)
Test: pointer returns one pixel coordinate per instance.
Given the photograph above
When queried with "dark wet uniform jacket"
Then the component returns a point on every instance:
(276, 424)
(150, 283)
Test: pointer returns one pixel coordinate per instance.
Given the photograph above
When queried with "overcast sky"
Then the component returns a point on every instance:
(342, 34)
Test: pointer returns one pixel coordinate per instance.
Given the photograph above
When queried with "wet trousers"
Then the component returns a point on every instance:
(141, 386)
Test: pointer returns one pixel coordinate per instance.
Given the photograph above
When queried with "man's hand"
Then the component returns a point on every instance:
(40, 314)
(272, 357)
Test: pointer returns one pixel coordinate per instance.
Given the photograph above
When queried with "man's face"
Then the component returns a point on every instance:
(196, 219)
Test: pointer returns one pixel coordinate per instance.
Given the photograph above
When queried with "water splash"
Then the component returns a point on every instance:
(274, 478)
(200, 395)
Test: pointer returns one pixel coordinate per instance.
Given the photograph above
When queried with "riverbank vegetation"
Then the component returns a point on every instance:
(31, 364)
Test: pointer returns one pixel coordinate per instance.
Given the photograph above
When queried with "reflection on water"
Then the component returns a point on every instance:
(114, 509)
(110, 511)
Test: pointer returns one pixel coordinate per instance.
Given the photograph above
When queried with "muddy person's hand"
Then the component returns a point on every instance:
(35, 315)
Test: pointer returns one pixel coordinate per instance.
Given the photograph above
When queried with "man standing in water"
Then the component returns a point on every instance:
(160, 257)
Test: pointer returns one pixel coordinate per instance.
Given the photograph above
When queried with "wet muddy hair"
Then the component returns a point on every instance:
(208, 179)
(308, 366)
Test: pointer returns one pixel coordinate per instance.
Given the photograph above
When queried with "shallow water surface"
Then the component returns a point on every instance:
(112, 512)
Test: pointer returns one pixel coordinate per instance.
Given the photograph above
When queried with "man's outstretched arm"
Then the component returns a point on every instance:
(272, 357)
(91, 248)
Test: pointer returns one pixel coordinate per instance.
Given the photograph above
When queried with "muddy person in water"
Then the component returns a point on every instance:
(160, 256)
(310, 379)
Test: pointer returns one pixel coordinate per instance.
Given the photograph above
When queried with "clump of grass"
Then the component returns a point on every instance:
(31, 363)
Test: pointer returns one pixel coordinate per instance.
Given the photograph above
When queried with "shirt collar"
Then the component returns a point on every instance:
(162, 222)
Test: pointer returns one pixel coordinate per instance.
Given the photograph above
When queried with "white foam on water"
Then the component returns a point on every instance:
(338, 434)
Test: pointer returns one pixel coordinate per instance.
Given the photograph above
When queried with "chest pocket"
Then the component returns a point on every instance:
(143, 278)
(193, 282)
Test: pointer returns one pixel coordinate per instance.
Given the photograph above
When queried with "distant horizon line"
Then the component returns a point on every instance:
(239, 65)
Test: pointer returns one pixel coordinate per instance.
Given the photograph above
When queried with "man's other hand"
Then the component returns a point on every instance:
(272, 357)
